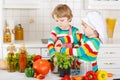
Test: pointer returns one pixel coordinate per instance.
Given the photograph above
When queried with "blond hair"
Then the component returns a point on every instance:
(62, 10)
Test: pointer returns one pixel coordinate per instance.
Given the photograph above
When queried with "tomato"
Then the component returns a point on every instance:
(66, 77)
(36, 57)
(59, 45)
(41, 66)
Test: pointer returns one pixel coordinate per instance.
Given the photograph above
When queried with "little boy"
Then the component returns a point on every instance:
(62, 14)
(94, 29)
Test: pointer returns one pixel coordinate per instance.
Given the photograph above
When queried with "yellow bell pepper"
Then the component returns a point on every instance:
(101, 75)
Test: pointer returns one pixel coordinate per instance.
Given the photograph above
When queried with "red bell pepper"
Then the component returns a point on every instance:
(40, 76)
(66, 77)
(90, 75)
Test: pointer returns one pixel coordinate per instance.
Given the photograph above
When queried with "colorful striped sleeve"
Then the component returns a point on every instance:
(57, 33)
(71, 38)
(51, 42)
(87, 51)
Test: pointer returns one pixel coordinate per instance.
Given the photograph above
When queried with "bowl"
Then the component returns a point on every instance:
(44, 41)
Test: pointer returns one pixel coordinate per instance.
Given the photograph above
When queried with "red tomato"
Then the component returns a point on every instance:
(36, 57)
(66, 77)
(41, 66)
(59, 45)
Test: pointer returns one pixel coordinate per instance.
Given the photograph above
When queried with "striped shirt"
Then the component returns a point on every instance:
(87, 51)
(55, 34)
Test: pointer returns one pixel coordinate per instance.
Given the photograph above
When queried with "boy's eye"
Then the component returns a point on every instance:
(56, 20)
(62, 20)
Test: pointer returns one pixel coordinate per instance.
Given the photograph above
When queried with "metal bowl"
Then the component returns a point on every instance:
(44, 41)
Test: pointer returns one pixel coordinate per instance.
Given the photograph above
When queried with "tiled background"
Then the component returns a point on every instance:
(38, 23)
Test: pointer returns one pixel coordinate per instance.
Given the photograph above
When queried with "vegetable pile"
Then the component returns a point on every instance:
(90, 75)
(36, 66)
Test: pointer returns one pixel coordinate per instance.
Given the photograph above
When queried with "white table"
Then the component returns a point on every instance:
(5, 75)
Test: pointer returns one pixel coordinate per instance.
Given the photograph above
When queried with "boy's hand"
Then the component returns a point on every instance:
(58, 45)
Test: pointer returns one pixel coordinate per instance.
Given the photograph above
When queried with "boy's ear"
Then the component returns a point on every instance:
(96, 33)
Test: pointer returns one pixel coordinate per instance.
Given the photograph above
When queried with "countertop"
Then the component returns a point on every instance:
(5, 75)
(27, 43)
(39, 43)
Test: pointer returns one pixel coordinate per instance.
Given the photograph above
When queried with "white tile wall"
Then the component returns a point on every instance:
(39, 23)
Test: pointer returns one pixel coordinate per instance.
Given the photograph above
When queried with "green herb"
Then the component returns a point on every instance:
(63, 60)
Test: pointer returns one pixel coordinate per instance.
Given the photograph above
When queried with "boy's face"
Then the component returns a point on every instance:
(62, 22)
(89, 32)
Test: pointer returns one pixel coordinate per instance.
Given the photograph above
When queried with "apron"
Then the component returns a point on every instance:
(68, 45)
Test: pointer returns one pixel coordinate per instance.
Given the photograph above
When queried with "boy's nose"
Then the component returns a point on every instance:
(59, 23)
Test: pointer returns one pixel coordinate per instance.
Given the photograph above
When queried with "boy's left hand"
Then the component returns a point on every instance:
(58, 45)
